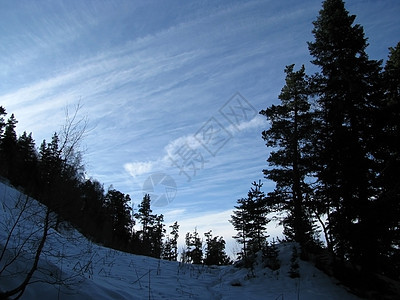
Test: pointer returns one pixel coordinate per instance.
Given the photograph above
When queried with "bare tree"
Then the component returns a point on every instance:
(21, 236)
(72, 133)
(28, 224)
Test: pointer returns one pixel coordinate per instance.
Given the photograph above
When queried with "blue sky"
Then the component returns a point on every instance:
(156, 78)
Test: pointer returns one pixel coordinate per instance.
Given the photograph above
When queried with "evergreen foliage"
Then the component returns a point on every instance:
(118, 212)
(170, 249)
(8, 146)
(194, 248)
(347, 95)
(26, 160)
(2, 124)
(250, 221)
(336, 146)
(386, 150)
(215, 250)
(290, 133)
(152, 233)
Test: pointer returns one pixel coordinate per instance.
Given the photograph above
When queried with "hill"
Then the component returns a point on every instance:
(72, 267)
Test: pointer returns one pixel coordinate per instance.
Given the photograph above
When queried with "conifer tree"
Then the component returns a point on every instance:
(258, 215)
(27, 160)
(241, 222)
(290, 133)
(170, 251)
(347, 96)
(92, 210)
(2, 123)
(50, 168)
(250, 221)
(145, 217)
(194, 248)
(386, 152)
(152, 231)
(8, 147)
(215, 250)
(119, 213)
(174, 240)
(157, 232)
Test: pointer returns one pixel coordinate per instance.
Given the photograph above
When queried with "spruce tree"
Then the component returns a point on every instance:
(250, 221)
(8, 147)
(152, 231)
(258, 214)
(347, 96)
(118, 211)
(215, 250)
(241, 222)
(170, 249)
(173, 241)
(50, 169)
(146, 218)
(387, 157)
(27, 160)
(2, 123)
(290, 134)
(92, 211)
(157, 232)
(194, 248)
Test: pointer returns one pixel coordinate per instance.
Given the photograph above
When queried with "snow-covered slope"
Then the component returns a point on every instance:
(90, 271)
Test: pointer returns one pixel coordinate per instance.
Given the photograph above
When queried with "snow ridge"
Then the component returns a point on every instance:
(72, 267)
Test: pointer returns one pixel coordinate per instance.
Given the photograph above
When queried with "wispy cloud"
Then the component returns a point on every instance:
(139, 168)
(186, 148)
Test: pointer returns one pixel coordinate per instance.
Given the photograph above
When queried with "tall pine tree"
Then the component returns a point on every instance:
(387, 156)
(290, 137)
(348, 93)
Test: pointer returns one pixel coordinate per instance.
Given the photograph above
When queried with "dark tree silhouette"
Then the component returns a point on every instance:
(347, 92)
(215, 250)
(170, 250)
(290, 132)
(250, 220)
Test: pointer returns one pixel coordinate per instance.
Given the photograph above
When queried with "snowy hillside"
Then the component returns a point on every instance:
(71, 267)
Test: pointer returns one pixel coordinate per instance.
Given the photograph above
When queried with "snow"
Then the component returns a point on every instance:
(90, 271)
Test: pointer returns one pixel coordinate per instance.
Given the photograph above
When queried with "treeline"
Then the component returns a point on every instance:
(212, 252)
(334, 142)
(54, 174)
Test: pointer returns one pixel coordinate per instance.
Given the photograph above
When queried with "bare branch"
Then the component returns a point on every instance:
(72, 134)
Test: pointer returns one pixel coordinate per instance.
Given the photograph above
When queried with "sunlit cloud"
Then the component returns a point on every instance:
(138, 168)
